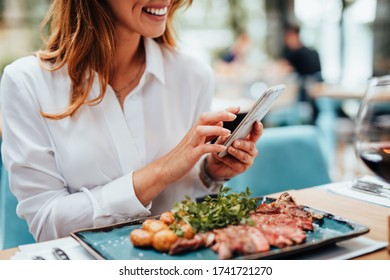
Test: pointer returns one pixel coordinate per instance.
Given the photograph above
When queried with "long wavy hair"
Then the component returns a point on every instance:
(82, 35)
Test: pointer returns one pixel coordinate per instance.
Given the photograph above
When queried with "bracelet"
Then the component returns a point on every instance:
(207, 180)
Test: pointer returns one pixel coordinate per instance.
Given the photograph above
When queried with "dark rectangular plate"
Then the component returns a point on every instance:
(113, 243)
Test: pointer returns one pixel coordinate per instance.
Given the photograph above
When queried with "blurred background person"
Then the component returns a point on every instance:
(237, 51)
(305, 62)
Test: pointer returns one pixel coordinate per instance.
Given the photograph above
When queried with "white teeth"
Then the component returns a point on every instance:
(159, 12)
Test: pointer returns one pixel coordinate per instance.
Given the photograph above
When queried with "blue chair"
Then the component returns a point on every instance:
(290, 157)
(294, 114)
(13, 230)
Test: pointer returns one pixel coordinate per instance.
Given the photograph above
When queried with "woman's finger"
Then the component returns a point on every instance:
(202, 132)
(246, 146)
(241, 156)
(210, 138)
(203, 149)
(235, 110)
(220, 123)
(222, 139)
(215, 117)
(256, 132)
(232, 162)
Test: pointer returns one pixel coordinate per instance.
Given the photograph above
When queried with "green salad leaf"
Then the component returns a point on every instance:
(215, 212)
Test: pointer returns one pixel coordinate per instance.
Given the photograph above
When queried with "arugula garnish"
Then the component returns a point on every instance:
(225, 209)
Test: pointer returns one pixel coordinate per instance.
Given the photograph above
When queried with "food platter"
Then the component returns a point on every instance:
(113, 243)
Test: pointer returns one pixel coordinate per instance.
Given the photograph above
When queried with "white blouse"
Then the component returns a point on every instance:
(77, 172)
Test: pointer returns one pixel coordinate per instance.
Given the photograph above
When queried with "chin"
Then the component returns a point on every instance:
(154, 34)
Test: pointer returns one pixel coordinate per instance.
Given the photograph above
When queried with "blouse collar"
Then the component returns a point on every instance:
(154, 59)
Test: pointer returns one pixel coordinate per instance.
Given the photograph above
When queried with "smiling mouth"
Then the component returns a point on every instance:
(156, 11)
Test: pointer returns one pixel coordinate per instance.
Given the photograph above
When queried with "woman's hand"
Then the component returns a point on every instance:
(240, 156)
(152, 179)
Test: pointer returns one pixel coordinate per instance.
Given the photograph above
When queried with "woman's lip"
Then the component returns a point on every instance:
(158, 4)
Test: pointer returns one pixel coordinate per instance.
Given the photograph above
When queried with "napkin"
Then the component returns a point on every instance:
(345, 188)
(376, 180)
(44, 249)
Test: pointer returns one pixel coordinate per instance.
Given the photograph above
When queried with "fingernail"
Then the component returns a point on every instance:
(221, 148)
(226, 131)
(232, 115)
(237, 144)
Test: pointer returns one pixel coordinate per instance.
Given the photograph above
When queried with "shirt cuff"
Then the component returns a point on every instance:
(207, 181)
(117, 200)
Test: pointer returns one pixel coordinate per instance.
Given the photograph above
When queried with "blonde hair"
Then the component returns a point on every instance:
(82, 35)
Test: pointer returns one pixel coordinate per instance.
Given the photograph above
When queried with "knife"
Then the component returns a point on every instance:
(59, 254)
(377, 184)
(38, 258)
(373, 189)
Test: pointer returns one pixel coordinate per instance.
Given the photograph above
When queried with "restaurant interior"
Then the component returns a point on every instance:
(309, 137)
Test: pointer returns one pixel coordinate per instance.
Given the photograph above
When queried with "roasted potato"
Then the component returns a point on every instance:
(188, 232)
(141, 238)
(163, 240)
(153, 226)
(167, 218)
(146, 223)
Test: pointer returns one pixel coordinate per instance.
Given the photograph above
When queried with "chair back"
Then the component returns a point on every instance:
(13, 230)
(290, 157)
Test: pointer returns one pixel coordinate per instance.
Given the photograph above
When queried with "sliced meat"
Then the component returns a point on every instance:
(208, 238)
(285, 204)
(259, 240)
(286, 199)
(300, 212)
(282, 230)
(223, 245)
(224, 251)
(283, 235)
(282, 219)
(271, 208)
(185, 245)
(274, 237)
(240, 239)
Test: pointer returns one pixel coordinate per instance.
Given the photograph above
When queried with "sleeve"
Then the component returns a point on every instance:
(50, 208)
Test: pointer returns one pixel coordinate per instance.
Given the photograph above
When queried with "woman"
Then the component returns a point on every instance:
(107, 123)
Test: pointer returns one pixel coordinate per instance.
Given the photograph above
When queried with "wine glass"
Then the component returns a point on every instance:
(372, 134)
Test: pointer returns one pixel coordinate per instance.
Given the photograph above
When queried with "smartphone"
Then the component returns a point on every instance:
(256, 113)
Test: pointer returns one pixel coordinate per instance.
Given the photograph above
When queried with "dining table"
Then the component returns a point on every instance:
(336, 91)
(375, 217)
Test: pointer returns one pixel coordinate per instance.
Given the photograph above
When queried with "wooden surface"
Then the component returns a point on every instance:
(335, 91)
(388, 234)
(374, 216)
(7, 254)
